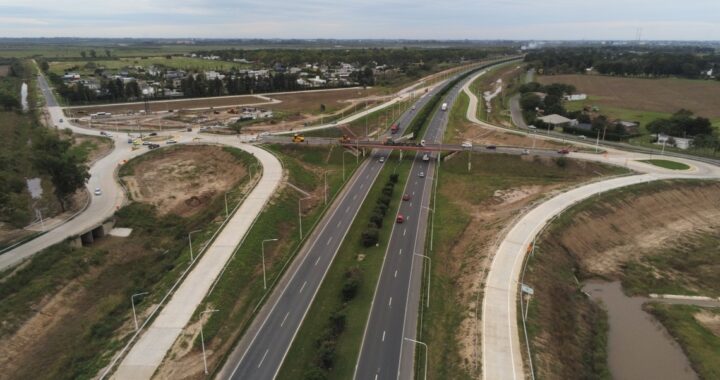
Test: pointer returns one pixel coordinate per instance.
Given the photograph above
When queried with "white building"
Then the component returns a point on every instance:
(575, 97)
(678, 142)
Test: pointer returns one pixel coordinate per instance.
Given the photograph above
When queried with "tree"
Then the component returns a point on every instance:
(530, 102)
(67, 171)
(83, 54)
(370, 237)
(108, 53)
(44, 66)
(9, 101)
(93, 54)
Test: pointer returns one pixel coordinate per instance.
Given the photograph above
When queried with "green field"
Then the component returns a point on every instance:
(305, 354)
(667, 164)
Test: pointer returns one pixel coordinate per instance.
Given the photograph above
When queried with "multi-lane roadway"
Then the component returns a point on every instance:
(261, 351)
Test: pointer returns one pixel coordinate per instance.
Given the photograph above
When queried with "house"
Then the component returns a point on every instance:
(174, 74)
(317, 81)
(558, 121)
(71, 76)
(631, 127)
(587, 127)
(575, 97)
(212, 75)
(678, 142)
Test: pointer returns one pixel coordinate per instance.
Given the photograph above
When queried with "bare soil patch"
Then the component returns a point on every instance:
(4, 70)
(710, 321)
(658, 95)
(165, 105)
(181, 180)
(309, 102)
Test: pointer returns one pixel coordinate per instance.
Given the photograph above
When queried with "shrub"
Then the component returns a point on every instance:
(376, 220)
(394, 178)
(370, 237)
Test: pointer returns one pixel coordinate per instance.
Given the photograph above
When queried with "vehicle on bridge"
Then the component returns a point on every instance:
(298, 138)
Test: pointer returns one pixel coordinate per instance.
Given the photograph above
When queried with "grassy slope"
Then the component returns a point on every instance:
(571, 348)
(302, 355)
(105, 275)
(700, 345)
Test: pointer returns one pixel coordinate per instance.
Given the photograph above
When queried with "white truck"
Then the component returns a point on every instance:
(444, 107)
(426, 157)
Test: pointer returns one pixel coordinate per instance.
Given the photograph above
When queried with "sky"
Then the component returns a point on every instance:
(350, 19)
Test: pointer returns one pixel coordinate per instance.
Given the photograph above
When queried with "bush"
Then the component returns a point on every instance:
(315, 373)
(370, 237)
(394, 178)
(353, 278)
(337, 323)
(376, 220)
(384, 199)
(561, 162)
(326, 353)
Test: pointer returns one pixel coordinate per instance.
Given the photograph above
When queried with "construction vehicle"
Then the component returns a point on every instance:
(344, 139)
(232, 110)
(298, 138)
(394, 129)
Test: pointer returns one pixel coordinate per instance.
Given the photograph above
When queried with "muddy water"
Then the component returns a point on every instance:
(639, 347)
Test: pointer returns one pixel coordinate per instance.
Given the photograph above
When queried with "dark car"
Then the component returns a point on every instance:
(491, 147)
(406, 197)
(152, 134)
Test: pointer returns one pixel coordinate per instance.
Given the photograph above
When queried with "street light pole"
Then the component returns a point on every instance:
(226, 207)
(202, 338)
(132, 302)
(429, 274)
(190, 242)
(263, 261)
(426, 352)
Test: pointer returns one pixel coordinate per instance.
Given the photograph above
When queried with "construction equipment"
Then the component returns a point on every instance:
(344, 139)
(298, 138)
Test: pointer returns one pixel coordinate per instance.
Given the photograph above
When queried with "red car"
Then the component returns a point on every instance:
(406, 197)
(400, 218)
(563, 151)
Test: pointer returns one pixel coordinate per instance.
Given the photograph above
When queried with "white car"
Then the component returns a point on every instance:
(421, 175)
(382, 159)
(413, 107)
(263, 134)
(171, 141)
(467, 144)
(98, 191)
(531, 127)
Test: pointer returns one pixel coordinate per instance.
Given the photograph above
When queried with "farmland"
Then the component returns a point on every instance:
(663, 96)
(182, 63)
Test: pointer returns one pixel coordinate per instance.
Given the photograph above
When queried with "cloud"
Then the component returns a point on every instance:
(21, 21)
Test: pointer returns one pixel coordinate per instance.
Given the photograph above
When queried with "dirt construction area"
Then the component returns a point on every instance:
(182, 179)
(657, 95)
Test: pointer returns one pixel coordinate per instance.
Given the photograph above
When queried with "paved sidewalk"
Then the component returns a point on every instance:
(147, 354)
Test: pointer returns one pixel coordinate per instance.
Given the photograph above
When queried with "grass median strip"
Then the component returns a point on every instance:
(322, 348)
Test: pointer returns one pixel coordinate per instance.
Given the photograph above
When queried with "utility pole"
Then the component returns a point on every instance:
(202, 338)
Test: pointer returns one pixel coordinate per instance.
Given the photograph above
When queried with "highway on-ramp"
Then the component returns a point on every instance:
(501, 339)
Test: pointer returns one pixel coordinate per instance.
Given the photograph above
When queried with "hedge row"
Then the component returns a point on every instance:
(371, 235)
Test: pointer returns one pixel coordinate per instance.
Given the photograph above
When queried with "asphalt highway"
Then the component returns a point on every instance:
(385, 353)
(260, 353)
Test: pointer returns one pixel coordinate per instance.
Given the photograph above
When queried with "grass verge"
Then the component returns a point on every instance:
(305, 357)
(470, 214)
(700, 344)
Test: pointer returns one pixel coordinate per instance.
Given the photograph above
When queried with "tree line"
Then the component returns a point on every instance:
(687, 62)
(29, 150)
(359, 57)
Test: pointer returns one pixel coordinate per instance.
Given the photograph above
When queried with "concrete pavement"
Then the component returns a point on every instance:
(501, 355)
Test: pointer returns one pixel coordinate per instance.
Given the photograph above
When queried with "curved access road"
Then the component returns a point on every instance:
(501, 340)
